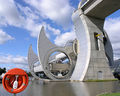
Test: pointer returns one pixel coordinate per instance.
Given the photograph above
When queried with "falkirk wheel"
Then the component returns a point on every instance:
(88, 57)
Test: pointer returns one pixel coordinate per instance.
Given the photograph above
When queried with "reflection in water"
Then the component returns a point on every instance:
(37, 88)
(50, 89)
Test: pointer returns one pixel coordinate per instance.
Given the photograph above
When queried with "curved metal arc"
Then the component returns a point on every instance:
(32, 59)
(108, 49)
(46, 66)
(44, 45)
(84, 46)
(45, 49)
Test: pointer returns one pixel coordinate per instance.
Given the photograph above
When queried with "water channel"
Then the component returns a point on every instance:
(38, 88)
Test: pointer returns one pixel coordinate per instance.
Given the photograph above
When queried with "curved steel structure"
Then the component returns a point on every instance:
(53, 68)
(89, 57)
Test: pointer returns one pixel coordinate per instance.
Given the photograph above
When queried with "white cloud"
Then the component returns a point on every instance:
(14, 14)
(32, 24)
(27, 12)
(63, 38)
(55, 31)
(9, 13)
(24, 67)
(4, 37)
(58, 11)
(32, 27)
(10, 59)
(112, 26)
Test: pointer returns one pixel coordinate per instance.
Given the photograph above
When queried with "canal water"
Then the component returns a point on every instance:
(38, 88)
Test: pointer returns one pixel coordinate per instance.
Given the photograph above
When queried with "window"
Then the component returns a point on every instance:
(97, 43)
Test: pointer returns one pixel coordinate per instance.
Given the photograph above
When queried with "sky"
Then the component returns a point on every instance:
(21, 21)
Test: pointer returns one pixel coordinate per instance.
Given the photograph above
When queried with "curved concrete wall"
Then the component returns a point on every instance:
(84, 47)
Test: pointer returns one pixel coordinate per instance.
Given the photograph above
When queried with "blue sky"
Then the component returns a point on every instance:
(21, 21)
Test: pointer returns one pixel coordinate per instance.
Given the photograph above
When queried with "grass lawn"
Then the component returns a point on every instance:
(101, 80)
(110, 94)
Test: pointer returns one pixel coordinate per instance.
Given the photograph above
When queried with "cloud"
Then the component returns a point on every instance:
(4, 37)
(27, 12)
(10, 59)
(14, 14)
(34, 28)
(9, 14)
(63, 38)
(55, 31)
(31, 21)
(59, 11)
(112, 26)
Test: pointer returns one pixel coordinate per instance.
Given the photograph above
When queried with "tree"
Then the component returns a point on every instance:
(2, 70)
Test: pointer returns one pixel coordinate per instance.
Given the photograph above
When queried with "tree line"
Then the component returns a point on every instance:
(2, 70)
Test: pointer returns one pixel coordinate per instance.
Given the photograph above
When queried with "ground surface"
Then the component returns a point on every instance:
(111, 94)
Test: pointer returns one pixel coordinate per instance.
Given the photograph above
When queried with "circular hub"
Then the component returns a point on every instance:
(58, 64)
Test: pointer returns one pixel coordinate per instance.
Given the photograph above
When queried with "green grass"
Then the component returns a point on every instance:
(101, 80)
(110, 94)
